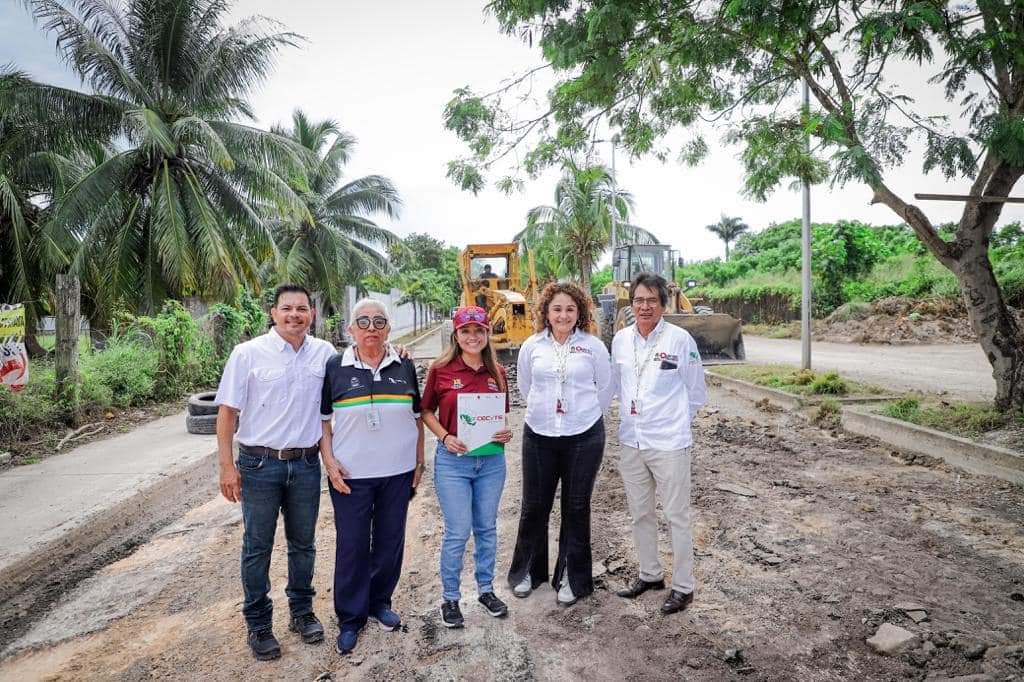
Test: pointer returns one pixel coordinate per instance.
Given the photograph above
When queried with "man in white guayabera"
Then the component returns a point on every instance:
(271, 387)
(659, 378)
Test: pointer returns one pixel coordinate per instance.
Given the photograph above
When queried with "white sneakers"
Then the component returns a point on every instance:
(524, 588)
(565, 595)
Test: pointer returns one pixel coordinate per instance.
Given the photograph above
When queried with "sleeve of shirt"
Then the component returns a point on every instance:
(615, 385)
(234, 380)
(693, 376)
(430, 397)
(523, 369)
(410, 369)
(602, 373)
(326, 397)
(504, 381)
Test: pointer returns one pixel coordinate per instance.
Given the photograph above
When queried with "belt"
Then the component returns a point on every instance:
(285, 453)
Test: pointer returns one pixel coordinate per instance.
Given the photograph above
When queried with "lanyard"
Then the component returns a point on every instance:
(640, 366)
(373, 372)
(562, 360)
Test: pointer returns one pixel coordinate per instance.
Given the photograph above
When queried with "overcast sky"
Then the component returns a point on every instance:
(385, 70)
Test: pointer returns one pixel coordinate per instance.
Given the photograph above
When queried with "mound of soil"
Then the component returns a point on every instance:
(899, 320)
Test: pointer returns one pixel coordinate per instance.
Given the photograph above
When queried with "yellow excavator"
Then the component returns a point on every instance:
(718, 336)
(491, 279)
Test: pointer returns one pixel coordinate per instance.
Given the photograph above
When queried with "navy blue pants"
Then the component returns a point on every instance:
(370, 525)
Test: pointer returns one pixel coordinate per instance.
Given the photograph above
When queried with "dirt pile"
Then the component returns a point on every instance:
(898, 320)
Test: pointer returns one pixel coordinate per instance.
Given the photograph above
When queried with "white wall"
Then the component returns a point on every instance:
(401, 315)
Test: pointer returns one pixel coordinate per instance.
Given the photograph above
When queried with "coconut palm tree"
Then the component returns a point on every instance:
(581, 218)
(174, 211)
(728, 229)
(332, 242)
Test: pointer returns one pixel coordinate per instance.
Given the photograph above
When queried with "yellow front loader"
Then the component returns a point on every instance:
(718, 335)
(491, 279)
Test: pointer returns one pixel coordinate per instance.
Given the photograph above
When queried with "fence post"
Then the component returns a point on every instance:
(65, 357)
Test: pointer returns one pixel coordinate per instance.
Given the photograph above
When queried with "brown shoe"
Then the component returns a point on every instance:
(676, 601)
(640, 586)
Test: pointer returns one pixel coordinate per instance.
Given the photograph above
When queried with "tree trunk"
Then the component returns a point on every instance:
(999, 333)
(726, 251)
(585, 268)
(65, 360)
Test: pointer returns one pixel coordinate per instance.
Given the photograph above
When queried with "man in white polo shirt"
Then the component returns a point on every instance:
(659, 378)
(271, 388)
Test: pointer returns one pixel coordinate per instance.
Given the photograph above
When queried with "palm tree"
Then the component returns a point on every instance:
(332, 243)
(174, 210)
(728, 229)
(33, 172)
(581, 219)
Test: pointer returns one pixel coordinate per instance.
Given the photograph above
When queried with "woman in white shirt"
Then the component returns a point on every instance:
(564, 374)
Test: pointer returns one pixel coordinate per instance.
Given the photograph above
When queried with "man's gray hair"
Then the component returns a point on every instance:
(366, 303)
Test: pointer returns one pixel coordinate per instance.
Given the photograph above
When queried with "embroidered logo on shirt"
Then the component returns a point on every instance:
(661, 357)
(396, 381)
(355, 383)
(580, 349)
(694, 358)
(492, 384)
(456, 384)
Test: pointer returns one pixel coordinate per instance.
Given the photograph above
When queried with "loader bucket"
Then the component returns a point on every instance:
(718, 335)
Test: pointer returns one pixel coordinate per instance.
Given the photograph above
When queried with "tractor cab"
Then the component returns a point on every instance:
(630, 261)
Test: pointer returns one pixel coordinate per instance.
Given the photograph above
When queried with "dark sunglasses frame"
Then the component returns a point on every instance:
(378, 321)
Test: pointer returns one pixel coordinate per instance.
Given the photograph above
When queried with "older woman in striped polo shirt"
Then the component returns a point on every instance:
(373, 455)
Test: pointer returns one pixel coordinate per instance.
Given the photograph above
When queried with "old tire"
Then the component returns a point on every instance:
(200, 404)
(202, 424)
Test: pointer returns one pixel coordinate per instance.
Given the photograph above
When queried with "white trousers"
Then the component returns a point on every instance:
(666, 472)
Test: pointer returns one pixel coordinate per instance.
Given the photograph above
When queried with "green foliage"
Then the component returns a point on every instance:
(963, 419)
(184, 356)
(126, 369)
(600, 280)
(905, 409)
(829, 384)
(255, 318)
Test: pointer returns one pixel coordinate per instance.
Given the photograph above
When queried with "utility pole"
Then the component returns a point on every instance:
(615, 197)
(805, 246)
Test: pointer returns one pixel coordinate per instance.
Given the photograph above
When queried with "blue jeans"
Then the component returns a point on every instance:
(293, 488)
(469, 490)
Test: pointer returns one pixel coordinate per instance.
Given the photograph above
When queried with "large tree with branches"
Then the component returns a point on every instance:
(648, 67)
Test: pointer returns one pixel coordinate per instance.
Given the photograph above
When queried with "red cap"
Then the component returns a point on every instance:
(471, 314)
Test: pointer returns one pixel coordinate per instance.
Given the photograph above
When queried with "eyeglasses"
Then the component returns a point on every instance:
(472, 316)
(378, 322)
(651, 301)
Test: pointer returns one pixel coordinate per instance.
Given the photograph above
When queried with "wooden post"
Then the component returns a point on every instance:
(65, 357)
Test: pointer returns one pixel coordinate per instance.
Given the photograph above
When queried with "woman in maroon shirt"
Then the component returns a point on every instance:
(468, 484)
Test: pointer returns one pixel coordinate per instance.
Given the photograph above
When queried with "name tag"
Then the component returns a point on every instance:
(373, 418)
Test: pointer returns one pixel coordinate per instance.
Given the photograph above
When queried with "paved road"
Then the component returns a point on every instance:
(960, 370)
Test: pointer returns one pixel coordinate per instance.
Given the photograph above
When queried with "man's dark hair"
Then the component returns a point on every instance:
(654, 283)
(283, 289)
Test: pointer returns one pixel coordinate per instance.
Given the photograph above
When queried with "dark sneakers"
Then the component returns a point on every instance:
(676, 601)
(346, 641)
(388, 619)
(494, 606)
(264, 645)
(640, 586)
(451, 614)
(308, 627)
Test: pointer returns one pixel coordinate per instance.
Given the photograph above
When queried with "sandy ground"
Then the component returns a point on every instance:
(790, 582)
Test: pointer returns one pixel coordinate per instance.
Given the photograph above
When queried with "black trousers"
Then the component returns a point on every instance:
(548, 460)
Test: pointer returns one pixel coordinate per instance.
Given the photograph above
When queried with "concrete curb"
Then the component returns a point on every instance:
(788, 400)
(423, 336)
(124, 523)
(988, 460)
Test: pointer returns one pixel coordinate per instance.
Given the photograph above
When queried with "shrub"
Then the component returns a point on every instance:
(126, 368)
(176, 338)
(829, 384)
(803, 377)
(828, 413)
(905, 409)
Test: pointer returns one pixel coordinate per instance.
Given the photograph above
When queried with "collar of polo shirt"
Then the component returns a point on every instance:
(349, 358)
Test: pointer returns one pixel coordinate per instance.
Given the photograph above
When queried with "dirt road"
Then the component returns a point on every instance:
(961, 370)
(790, 582)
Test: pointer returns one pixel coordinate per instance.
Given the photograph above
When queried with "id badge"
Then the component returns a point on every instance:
(561, 406)
(634, 407)
(373, 418)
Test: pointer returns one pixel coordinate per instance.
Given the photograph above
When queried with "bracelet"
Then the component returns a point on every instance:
(444, 437)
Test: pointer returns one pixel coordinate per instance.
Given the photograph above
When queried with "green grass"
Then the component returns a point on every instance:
(968, 420)
(799, 382)
(787, 330)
